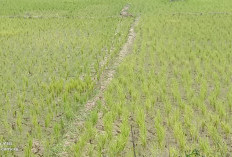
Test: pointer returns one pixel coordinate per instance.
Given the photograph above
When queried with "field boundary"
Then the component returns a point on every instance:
(105, 79)
(109, 73)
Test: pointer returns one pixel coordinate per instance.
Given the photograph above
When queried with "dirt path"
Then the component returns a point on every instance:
(105, 79)
(109, 73)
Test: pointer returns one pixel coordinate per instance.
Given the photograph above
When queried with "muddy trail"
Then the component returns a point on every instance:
(72, 136)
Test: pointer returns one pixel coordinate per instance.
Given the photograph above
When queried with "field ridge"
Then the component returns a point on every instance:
(106, 78)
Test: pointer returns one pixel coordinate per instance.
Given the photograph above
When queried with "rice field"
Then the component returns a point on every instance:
(79, 79)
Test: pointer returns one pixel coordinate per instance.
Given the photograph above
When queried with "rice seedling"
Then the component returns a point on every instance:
(226, 128)
(108, 124)
(140, 119)
(101, 139)
(173, 152)
(180, 136)
(120, 142)
(205, 146)
(160, 130)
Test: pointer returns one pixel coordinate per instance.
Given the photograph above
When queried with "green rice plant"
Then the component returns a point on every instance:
(90, 150)
(173, 152)
(180, 136)
(213, 100)
(119, 144)
(215, 119)
(118, 109)
(121, 93)
(34, 119)
(89, 133)
(220, 108)
(205, 146)
(148, 104)
(203, 124)
(194, 152)
(160, 130)
(174, 118)
(19, 122)
(189, 93)
(8, 127)
(187, 121)
(38, 132)
(108, 99)
(226, 128)
(229, 100)
(217, 88)
(168, 107)
(176, 94)
(113, 148)
(134, 95)
(69, 113)
(122, 141)
(203, 108)
(140, 119)
(57, 131)
(140, 116)
(182, 105)
(194, 132)
(78, 147)
(143, 135)
(125, 130)
(27, 150)
(108, 124)
(22, 107)
(188, 112)
(203, 91)
(223, 149)
(214, 135)
(101, 140)
(90, 130)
